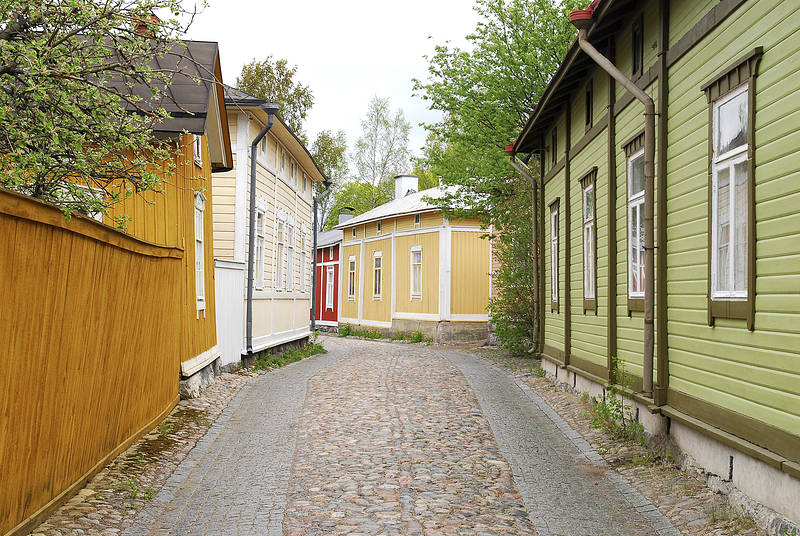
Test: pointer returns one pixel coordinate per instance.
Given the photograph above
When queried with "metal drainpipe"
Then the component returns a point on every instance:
(327, 184)
(649, 172)
(271, 109)
(523, 170)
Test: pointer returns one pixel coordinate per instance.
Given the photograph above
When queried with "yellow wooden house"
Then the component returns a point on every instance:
(406, 267)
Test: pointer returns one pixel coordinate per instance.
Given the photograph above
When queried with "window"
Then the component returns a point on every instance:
(636, 224)
(330, 253)
(197, 142)
(377, 279)
(292, 169)
(416, 272)
(283, 160)
(354, 232)
(731, 218)
(290, 257)
(416, 220)
(554, 256)
(280, 277)
(263, 146)
(554, 147)
(304, 183)
(589, 105)
(329, 288)
(199, 250)
(589, 241)
(637, 44)
(351, 278)
(379, 228)
(259, 250)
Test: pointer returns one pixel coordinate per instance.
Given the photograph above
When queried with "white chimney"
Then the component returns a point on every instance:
(344, 216)
(404, 185)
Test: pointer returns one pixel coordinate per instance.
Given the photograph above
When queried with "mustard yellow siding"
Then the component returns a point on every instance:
(429, 304)
(350, 306)
(469, 273)
(378, 308)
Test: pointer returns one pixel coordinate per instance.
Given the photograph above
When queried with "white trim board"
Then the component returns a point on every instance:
(469, 318)
(199, 361)
(267, 341)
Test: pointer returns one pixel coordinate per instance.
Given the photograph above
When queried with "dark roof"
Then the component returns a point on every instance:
(609, 16)
(191, 65)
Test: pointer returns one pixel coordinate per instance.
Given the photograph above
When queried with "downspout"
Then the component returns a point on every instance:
(582, 20)
(317, 199)
(271, 110)
(523, 169)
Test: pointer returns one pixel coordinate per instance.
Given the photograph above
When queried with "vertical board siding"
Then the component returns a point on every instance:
(350, 307)
(429, 304)
(751, 373)
(88, 328)
(378, 309)
(469, 273)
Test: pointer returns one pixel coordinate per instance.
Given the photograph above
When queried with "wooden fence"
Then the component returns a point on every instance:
(89, 339)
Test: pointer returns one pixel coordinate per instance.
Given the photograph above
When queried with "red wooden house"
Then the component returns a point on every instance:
(328, 280)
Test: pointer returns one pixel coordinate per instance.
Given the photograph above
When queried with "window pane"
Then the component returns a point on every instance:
(723, 229)
(732, 124)
(740, 226)
(588, 203)
(637, 176)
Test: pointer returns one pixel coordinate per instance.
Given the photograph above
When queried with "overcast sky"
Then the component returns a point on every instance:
(346, 50)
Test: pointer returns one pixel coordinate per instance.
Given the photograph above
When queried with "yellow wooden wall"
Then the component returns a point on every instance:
(167, 218)
(349, 308)
(377, 309)
(469, 273)
(89, 326)
(429, 303)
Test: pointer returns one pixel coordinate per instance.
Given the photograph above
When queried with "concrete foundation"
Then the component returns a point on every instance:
(192, 386)
(767, 494)
(443, 332)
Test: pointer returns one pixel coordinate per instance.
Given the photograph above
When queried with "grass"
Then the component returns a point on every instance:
(411, 336)
(267, 361)
(350, 331)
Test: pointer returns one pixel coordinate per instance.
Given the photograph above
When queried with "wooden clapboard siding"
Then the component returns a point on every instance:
(554, 319)
(89, 326)
(753, 374)
(378, 309)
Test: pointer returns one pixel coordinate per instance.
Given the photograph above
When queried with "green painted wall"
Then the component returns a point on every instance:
(757, 373)
(554, 321)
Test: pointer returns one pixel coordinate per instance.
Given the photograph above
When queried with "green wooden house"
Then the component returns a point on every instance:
(724, 76)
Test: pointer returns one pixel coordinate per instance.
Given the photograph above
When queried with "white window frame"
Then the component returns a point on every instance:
(352, 278)
(377, 275)
(261, 216)
(729, 160)
(378, 228)
(554, 254)
(417, 220)
(329, 288)
(303, 256)
(589, 243)
(280, 255)
(635, 204)
(354, 232)
(199, 250)
(414, 267)
(197, 144)
(290, 241)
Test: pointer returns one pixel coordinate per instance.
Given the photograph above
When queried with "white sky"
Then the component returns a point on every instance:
(347, 51)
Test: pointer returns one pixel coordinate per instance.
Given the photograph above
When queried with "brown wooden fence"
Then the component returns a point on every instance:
(89, 339)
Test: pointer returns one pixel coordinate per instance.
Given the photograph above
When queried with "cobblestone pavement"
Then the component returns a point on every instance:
(392, 441)
(235, 480)
(681, 495)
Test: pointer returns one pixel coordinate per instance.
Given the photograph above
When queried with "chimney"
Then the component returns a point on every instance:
(344, 216)
(404, 185)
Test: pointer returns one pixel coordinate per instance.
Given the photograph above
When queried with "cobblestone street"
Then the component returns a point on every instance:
(381, 438)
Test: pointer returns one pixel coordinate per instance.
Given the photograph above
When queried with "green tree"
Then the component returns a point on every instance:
(485, 95)
(329, 151)
(273, 80)
(69, 118)
(357, 196)
(382, 150)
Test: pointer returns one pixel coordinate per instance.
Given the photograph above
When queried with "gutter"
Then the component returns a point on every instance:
(317, 199)
(582, 20)
(271, 109)
(524, 170)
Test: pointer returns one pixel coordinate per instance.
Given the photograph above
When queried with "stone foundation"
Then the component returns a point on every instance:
(767, 494)
(192, 386)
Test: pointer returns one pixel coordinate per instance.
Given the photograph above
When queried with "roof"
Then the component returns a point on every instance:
(572, 73)
(193, 98)
(238, 100)
(328, 238)
(409, 204)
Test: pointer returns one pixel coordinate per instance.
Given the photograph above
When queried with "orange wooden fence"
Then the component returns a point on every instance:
(89, 339)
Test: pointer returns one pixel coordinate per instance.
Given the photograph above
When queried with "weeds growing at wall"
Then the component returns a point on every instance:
(612, 414)
(267, 361)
